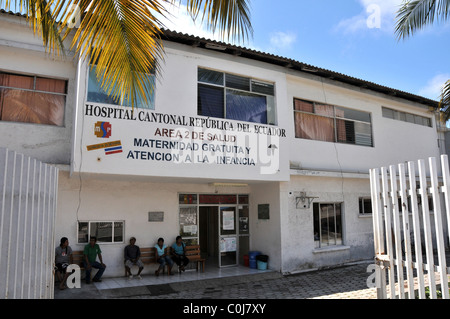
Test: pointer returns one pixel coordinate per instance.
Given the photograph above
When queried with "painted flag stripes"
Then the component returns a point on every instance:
(113, 150)
(110, 147)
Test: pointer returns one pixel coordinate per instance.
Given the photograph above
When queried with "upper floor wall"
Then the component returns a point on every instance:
(37, 94)
(367, 130)
(199, 125)
(197, 129)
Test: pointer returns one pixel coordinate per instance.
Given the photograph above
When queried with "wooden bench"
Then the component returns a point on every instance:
(148, 256)
(193, 253)
(78, 258)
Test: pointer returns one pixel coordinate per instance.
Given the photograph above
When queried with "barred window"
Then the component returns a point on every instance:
(327, 224)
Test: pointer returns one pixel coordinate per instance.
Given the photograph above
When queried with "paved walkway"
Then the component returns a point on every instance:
(347, 282)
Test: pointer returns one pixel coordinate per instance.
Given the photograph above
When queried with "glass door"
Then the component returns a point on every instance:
(228, 236)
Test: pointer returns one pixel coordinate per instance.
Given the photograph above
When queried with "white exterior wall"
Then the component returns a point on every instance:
(176, 94)
(22, 52)
(391, 138)
(299, 251)
(116, 190)
(124, 200)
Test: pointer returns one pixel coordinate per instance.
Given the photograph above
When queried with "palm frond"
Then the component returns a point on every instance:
(414, 15)
(444, 104)
(41, 20)
(231, 18)
(123, 39)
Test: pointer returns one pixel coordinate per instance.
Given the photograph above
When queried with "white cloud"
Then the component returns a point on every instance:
(282, 40)
(434, 86)
(376, 15)
(180, 21)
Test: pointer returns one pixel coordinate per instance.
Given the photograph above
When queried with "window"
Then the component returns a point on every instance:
(106, 232)
(32, 99)
(327, 224)
(97, 94)
(328, 123)
(233, 97)
(406, 117)
(365, 206)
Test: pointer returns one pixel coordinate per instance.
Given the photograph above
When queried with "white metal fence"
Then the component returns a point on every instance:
(28, 194)
(411, 214)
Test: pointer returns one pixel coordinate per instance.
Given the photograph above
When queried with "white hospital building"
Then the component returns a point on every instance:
(239, 151)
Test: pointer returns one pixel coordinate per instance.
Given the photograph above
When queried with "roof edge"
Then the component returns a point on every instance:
(291, 64)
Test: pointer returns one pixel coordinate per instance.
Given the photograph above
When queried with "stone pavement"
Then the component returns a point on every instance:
(346, 282)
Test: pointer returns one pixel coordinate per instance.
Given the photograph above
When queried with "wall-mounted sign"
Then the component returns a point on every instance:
(155, 216)
(145, 142)
(263, 211)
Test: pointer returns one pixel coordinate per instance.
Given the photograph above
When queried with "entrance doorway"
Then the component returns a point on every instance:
(219, 224)
(208, 232)
(218, 236)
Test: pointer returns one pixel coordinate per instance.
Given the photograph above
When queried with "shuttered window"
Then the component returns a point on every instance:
(328, 123)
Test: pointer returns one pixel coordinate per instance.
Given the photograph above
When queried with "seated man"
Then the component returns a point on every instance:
(132, 256)
(63, 258)
(91, 251)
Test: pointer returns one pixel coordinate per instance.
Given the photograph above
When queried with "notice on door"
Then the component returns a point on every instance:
(228, 220)
(227, 244)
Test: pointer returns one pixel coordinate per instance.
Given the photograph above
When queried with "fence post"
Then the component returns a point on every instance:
(406, 231)
(380, 272)
(391, 251)
(416, 229)
(439, 228)
(427, 230)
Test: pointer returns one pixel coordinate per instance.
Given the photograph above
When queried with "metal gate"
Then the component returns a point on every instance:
(411, 214)
(28, 193)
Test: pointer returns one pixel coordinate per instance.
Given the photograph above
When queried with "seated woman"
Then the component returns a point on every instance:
(179, 254)
(162, 258)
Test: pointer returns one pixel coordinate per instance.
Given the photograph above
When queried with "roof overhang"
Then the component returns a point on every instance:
(291, 64)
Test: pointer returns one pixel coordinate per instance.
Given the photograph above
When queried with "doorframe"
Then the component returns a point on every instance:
(197, 204)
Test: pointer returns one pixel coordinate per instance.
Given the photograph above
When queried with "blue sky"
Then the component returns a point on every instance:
(353, 37)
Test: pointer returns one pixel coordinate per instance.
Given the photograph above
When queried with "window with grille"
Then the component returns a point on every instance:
(327, 224)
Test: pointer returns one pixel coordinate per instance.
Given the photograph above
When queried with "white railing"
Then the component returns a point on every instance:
(28, 194)
(410, 239)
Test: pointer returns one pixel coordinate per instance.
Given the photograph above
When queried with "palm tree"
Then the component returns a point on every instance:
(415, 15)
(123, 37)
